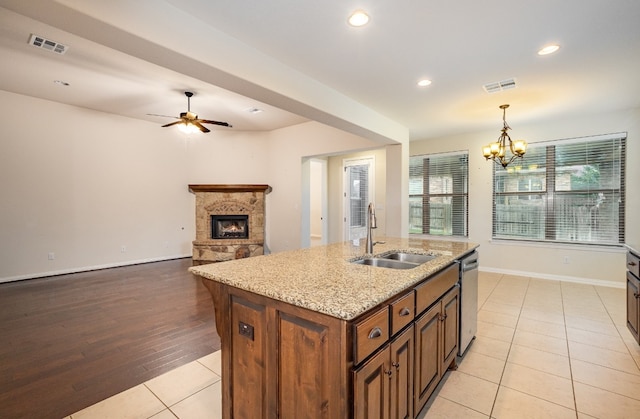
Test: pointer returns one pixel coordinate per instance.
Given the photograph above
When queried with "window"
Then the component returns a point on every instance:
(569, 191)
(438, 194)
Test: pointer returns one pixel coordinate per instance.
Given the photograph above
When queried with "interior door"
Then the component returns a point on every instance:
(358, 193)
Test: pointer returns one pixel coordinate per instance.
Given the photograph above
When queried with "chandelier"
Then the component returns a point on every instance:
(497, 151)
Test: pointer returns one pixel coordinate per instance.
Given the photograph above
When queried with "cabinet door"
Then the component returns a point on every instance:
(450, 327)
(248, 358)
(301, 343)
(402, 375)
(633, 305)
(427, 358)
(372, 387)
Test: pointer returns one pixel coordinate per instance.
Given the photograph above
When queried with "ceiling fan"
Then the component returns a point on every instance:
(190, 120)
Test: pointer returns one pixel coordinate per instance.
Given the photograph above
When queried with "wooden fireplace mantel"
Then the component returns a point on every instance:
(230, 188)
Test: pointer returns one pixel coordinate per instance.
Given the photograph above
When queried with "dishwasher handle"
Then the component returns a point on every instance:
(469, 263)
(469, 266)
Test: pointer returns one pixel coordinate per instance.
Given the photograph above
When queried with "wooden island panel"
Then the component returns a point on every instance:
(267, 349)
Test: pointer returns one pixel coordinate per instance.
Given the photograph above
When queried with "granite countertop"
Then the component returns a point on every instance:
(322, 278)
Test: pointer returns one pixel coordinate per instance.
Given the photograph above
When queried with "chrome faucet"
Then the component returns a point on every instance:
(371, 224)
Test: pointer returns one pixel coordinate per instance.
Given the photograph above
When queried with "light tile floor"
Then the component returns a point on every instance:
(544, 349)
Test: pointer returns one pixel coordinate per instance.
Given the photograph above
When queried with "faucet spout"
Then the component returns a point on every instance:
(371, 224)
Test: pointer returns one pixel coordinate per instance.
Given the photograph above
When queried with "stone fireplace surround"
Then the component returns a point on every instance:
(228, 200)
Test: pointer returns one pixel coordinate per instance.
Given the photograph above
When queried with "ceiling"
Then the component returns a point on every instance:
(298, 60)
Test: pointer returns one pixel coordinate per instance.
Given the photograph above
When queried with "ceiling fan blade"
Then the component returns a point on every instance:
(224, 124)
(172, 123)
(200, 126)
(164, 116)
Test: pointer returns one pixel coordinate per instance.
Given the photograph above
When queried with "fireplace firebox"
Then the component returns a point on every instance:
(229, 226)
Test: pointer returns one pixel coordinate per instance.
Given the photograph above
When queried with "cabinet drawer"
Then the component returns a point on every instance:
(402, 312)
(371, 333)
(633, 264)
(433, 288)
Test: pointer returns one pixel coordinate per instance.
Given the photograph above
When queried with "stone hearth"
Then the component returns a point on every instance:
(231, 200)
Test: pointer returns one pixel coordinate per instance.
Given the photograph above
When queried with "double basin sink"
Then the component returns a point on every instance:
(396, 260)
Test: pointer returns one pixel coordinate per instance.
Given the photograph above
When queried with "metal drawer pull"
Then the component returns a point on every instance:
(376, 332)
(405, 312)
(632, 264)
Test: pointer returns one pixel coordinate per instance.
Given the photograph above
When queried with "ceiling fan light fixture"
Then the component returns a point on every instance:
(188, 128)
(358, 18)
(549, 49)
(189, 122)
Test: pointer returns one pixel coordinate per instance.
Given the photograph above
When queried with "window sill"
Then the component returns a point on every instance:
(436, 237)
(565, 246)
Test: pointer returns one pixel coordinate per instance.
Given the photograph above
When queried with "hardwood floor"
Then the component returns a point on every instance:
(69, 341)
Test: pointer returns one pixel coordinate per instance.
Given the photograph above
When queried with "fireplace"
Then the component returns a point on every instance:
(230, 222)
(229, 227)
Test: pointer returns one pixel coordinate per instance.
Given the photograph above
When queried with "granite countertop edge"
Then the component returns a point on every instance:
(324, 280)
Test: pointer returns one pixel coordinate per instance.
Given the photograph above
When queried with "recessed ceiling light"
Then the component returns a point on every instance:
(61, 83)
(424, 82)
(358, 18)
(549, 49)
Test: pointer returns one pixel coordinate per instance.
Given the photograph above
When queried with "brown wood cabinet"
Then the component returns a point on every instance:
(633, 294)
(436, 339)
(384, 384)
(283, 361)
(278, 360)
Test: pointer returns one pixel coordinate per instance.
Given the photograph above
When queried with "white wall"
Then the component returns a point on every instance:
(288, 147)
(81, 184)
(600, 265)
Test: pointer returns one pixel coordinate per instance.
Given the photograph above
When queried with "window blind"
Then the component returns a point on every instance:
(438, 194)
(570, 191)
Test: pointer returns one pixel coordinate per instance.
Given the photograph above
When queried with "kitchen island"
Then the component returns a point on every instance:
(309, 333)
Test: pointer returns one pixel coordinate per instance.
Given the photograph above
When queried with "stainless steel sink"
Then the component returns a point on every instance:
(385, 263)
(409, 257)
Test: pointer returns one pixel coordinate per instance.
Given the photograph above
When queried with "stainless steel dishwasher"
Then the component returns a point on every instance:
(468, 300)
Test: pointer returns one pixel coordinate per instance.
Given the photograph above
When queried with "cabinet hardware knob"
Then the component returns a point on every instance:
(632, 264)
(376, 332)
(396, 364)
(388, 373)
(405, 312)
(635, 294)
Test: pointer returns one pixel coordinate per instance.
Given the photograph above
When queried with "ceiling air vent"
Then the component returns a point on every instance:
(499, 86)
(49, 45)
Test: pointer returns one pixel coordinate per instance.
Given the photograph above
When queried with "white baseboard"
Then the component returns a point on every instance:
(90, 268)
(574, 279)
(578, 280)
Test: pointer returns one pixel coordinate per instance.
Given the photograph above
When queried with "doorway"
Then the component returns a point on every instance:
(359, 175)
(318, 206)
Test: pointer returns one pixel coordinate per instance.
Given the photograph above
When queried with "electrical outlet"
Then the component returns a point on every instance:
(51, 256)
(123, 249)
(565, 260)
